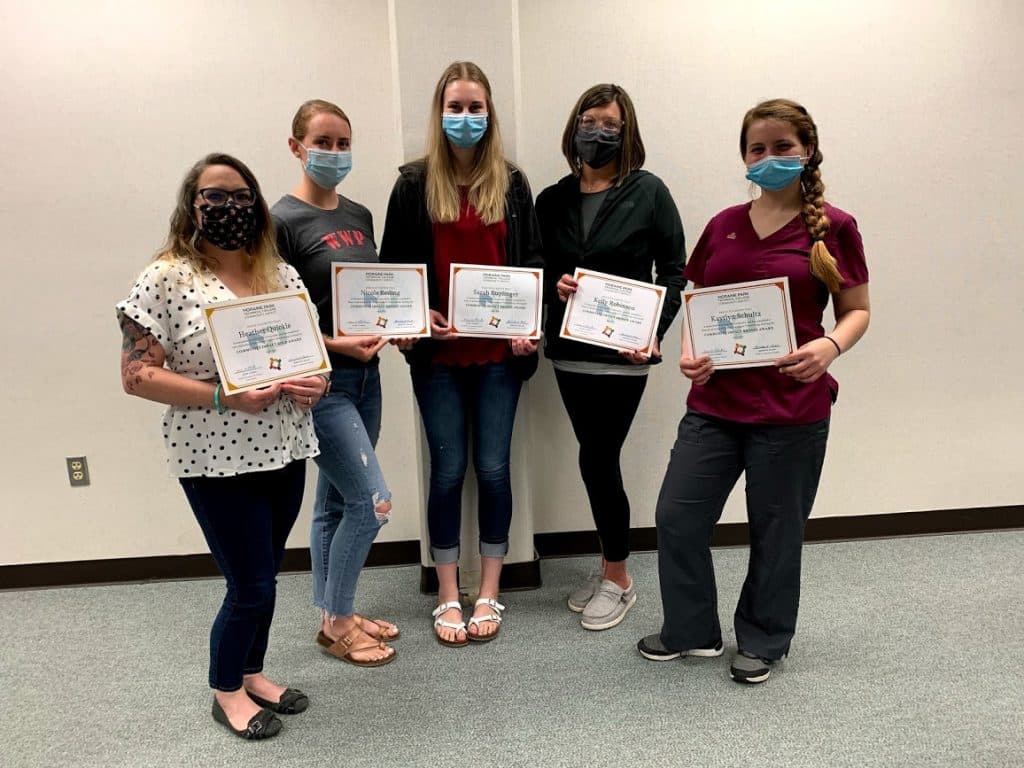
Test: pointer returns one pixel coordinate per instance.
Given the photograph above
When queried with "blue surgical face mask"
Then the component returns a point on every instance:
(325, 168)
(775, 172)
(465, 130)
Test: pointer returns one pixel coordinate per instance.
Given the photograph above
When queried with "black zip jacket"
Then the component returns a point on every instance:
(409, 239)
(637, 228)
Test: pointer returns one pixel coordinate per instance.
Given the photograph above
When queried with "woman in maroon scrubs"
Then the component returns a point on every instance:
(770, 422)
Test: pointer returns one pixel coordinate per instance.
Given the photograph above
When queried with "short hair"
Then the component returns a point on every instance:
(631, 152)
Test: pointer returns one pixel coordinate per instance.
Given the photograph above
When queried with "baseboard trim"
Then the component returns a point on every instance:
(515, 575)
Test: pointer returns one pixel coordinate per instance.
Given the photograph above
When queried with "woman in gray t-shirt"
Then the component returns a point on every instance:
(316, 226)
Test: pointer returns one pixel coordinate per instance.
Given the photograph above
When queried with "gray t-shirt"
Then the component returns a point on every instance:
(310, 238)
(590, 204)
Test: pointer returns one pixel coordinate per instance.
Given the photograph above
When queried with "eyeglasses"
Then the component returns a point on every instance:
(218, 198)
(588, 124)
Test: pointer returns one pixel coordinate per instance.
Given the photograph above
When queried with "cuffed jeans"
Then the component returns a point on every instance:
(246, 520)
(601, 408)
(453, 401)
(350, 487)
(782, 465)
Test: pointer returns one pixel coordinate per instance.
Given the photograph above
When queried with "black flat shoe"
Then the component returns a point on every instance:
(292, 702)
(262, 725)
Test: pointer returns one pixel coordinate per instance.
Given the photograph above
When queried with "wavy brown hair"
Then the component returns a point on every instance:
(488, 183)
(631, 152)
(184, 238)
(823, 263)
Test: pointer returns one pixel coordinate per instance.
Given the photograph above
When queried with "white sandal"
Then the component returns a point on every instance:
(440, 623)
(493, 616)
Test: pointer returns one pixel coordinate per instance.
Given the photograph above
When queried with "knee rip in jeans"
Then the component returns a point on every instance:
(381, 509)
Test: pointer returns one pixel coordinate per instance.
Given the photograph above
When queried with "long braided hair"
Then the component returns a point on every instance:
(823, 263)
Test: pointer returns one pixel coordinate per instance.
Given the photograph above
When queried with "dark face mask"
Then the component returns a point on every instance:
(229, 227)
(597, 148)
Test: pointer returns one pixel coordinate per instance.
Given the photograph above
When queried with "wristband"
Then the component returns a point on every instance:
(216, 400)
(835, 343)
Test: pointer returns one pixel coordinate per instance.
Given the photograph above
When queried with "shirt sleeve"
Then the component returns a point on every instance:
(151, 301)
(292, 281)
(283, 235)
(848, 251)
(694, 271)
(668, 246)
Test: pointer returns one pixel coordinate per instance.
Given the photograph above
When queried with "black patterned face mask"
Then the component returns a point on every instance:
(229, 227)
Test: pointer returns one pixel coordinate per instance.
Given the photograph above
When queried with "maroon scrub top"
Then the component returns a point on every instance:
(729, 251)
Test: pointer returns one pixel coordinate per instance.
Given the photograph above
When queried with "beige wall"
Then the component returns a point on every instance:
(105, 108)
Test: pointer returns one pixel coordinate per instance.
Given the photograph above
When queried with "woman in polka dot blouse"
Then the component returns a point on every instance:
(239, 458)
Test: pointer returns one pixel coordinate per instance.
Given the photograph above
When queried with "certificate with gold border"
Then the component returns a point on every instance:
(259, 340)
(380, 300)
(613, 312)
(495, 302)
(740, 325)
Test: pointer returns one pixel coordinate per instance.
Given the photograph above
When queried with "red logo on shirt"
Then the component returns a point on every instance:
(344, 238)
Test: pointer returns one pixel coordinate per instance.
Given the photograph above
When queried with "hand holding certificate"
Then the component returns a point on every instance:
(741, 325)
(614, 312)
(494, 302)
(386, 300)
(259, 340)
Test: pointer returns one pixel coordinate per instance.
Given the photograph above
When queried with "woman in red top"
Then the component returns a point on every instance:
(770, 422)
(464, 203)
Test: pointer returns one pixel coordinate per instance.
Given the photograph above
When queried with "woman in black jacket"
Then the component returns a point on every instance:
(612, 217)
(464, 203)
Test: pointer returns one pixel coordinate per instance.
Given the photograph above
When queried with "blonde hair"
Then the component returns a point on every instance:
(184, 237)
(488, 182)
(312, 108)
(823, 263)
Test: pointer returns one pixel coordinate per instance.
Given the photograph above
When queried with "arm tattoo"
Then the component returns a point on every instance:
(139, 350)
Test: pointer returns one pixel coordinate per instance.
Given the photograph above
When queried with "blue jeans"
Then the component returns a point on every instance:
(349, 489)
(454, 400)
(782, 466)
(246, 520)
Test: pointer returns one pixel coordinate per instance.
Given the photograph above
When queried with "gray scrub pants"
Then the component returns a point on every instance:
(782, 465)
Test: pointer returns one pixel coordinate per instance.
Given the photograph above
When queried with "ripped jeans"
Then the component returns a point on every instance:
(352, 500)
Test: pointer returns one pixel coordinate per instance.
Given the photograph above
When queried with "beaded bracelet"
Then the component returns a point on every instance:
(835, 343)
(216, 400)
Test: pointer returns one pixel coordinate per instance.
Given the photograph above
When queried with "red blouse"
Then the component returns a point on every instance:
(468, 241)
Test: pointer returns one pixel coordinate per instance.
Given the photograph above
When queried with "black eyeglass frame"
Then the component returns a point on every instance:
(247, 199)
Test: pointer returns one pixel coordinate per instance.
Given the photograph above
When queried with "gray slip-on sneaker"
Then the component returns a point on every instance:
(580, 596)
(652, 648)
(608, 606)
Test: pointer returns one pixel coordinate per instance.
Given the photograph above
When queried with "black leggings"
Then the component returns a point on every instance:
(601, 408)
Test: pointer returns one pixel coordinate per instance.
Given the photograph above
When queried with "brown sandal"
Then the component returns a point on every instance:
(343, 648)
(383, 627)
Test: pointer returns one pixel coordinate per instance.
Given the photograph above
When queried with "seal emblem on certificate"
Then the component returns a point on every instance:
(380, 300)
(259, 340)
(495, 302)
(614, 312)
(740, 325)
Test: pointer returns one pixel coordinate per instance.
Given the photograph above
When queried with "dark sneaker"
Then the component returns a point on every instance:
(652, 648)
(748, 668)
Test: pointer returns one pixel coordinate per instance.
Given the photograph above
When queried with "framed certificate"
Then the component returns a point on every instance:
(262, 339)
(614, 312)
(495, 302)
(380, 300)
(740, 325)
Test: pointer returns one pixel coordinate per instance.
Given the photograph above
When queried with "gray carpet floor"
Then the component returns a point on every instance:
(909, 653)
